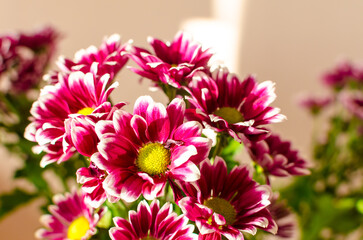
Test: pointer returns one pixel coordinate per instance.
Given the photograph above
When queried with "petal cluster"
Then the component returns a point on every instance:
(142, 151)
(170, 63)
(287, 224)
(57, 103)
(69, 209)
(315, 104)
(24, 58)
(227, 204)
(152, 222)
(353, 102)
(225, 103)
(340, 75)
(277, 157)
(107, 59)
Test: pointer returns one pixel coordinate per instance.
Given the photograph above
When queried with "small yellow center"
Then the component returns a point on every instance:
(78, 228)
(153, 159)
(230, 114)
(149, 238)
(86, 111)
(223, 207)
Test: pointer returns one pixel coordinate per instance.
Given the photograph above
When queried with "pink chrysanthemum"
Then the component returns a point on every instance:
(353, 102)
(153, 222)
(92, 179)
(340, 75)
(80, 130)
(315, 104)
(70, 219)
(24, 58)
(76, 94)
(276, 157)
(141, 152)
(226, 204)
(287, 225)
(171, 63)
(107, 59)
(229, 105)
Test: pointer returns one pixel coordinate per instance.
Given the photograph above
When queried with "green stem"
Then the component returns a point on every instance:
(171, 93)
(220, 144)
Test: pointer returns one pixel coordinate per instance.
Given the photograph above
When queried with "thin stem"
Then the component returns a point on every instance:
(171, 93)
(268, 182)
(220, 144)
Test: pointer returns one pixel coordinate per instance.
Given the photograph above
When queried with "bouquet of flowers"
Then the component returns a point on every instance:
(163, 171)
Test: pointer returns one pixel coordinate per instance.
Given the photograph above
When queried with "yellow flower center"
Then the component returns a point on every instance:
(78, 228)
(230, 114)
(149, 238)
(223, 207)
(153, 159)
(86, 111)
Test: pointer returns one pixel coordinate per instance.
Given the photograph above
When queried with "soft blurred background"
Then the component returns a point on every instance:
(289, 42)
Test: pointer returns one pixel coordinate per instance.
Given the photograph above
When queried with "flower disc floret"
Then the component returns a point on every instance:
(78, 228)
(230, 114)
(85, 111)
(223, 207)
(153, 159)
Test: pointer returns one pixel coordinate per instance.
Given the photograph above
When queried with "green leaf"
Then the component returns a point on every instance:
(10, 201)
(228, 153)
(359, 206)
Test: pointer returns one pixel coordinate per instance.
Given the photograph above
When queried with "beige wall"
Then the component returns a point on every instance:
(289, 42)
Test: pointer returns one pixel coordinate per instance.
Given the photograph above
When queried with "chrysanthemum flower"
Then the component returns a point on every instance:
(222, 203)
(353, 102)
(229, 105)
(92, 179)
(315, 104)
(24, 58)
(141, 152)
(171, 63)
(80, 128)
(107, 59)
(77, 93)
(152, 222)
(277, 157)
(69, 219)
(340, 75)
(287, 225)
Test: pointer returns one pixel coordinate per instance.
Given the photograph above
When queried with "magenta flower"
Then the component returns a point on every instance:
(80, 129)
(287, 225)
(74, 95)
(92, 179)
(24, 58)
(353, 102)
(171, 63)
(152, 222)
(229, 105)
(340, 75)
(141, 152)
(107, 59)
(276, 157)
(70, 218)
(315, 104)
(222, 203)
